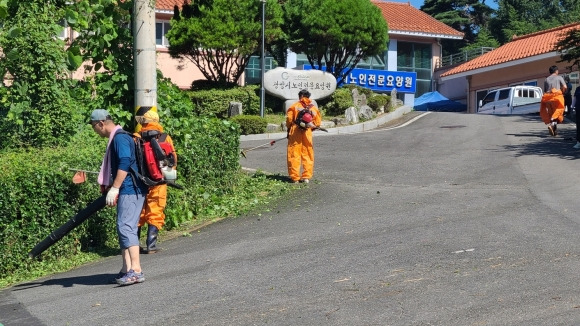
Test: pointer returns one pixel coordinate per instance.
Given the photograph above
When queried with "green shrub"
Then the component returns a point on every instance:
(216, 102)
(376, 101)
(361, 90)
(338, 102)
(251, 124)
(38, 196)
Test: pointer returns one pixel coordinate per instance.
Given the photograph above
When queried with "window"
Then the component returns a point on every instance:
(416, 57)
(490, 97)
(376, 62)
(526, 83)
(161, 29)
(504, 94)
(253, 71)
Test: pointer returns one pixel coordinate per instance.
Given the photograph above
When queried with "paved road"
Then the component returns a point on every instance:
(453, 219)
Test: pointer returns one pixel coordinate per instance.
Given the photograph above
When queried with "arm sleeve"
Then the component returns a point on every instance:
(317, 117)
(124, 148)
(290, 117)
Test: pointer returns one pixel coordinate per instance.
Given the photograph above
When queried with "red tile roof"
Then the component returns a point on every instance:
(169, 4)
(403, 18)
(519, 48)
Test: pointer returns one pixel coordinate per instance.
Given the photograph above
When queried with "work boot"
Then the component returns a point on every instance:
(141, 249)
(151, 242)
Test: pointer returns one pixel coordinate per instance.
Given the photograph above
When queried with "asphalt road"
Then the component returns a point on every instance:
(451, 219)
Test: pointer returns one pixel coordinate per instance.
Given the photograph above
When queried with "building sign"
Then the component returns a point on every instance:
(381, 80)
(286, 83)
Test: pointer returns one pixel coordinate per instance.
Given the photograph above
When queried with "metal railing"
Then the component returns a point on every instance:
(453, 59)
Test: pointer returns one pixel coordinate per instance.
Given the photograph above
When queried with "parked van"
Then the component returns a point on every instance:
(512, 100)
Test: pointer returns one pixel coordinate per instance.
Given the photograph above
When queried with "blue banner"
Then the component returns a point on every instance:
(380, 80)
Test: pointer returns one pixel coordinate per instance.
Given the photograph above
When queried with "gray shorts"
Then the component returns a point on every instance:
(128, 213)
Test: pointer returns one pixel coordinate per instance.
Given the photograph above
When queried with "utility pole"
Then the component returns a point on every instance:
(263, 61)
(144, 55)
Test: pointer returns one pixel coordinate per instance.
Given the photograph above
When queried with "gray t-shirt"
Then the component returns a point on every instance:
(554, 81)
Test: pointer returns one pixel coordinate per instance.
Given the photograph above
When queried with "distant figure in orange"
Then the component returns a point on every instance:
(153, 210)
(301, 118)
(552, 105)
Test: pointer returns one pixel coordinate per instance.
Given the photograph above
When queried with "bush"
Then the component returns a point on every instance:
(377, 101)
(338, 102)
(216, 102)
(361, 90)
(251, 124)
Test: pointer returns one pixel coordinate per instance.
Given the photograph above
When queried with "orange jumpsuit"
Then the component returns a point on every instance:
(156, 199)
(552, 106)
(300, 150)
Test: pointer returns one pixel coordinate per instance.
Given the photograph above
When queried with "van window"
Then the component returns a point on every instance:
(503, 94)
(490, 97)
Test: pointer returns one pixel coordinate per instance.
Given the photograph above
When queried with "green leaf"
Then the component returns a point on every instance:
(14, 32)
(74, 61)
(13, 54)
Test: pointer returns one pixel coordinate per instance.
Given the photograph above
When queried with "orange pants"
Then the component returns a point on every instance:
(154, 206)
(552, 107)
(300, 151)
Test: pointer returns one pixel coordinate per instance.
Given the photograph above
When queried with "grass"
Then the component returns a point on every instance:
(275, 118)
(252, 193)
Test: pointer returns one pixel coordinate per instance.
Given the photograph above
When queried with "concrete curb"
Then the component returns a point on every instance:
(352, 129)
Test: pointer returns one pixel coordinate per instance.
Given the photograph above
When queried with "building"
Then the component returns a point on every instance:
(413, 47)
(523, 61)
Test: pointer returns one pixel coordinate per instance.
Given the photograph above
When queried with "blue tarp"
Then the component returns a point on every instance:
(434, 101)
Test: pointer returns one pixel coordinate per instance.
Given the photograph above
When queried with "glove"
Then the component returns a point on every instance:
(112, 196)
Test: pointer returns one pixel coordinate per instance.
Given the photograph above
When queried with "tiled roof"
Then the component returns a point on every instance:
(404, 18)
(169, 4)
(519, 48)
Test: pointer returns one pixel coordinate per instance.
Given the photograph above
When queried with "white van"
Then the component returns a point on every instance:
(512, 100)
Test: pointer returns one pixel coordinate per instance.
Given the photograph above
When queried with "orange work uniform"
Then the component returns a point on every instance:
(300, 149)
(156, 200)
(552, 106)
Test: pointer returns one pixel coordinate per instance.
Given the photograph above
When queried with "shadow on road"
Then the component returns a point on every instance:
(67, 282)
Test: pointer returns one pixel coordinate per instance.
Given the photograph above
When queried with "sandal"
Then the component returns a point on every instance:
(131, 277)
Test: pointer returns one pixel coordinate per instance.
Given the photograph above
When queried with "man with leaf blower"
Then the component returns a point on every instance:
(301, 118)
(123, 190)
(153, 211)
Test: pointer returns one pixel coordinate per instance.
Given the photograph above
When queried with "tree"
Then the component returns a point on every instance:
(466, 16)
(569, 47)
(36, 108)
(520, 17)
(104, 46)
(482, 39)
(220, 36)
(335, 35)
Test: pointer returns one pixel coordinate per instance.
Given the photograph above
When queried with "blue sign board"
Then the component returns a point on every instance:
(380, 80)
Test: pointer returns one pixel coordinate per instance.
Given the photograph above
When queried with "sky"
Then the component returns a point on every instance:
(415, 3)
(418, 3)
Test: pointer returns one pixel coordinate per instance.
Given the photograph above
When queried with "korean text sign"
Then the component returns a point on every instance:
(381, 80)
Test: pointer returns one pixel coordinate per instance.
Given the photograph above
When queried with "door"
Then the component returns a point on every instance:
(487, 104)
(502, 104)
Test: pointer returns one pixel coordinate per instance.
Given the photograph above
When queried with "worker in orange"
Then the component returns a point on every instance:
(301, 118)
(153, 210)
(552, 105)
